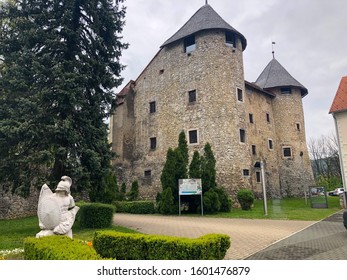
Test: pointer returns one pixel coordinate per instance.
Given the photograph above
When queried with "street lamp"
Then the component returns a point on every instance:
(260, 164)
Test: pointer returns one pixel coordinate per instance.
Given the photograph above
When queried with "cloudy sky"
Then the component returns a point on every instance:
(310, 36)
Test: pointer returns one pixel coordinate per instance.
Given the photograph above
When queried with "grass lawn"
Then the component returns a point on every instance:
(285, 209)
(13, 232)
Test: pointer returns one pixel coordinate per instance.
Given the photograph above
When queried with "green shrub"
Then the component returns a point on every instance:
(166, 202)
(58, 247)
(245, 198)
(125, 246)
(211, 201)
(134, 191)
(225, 200)
(95, 215)
(135, 207)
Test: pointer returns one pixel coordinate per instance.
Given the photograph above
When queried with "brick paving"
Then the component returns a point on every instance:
(247, 236)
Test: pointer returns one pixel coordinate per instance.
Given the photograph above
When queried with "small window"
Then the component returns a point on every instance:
(254, 150)
(239, 93)
(286, 90)
(298, 126)
(189, 44)
(268, 117)
(152, 107)
(193, 137)
(148, 173)
(192, 96)
(245, 172)
(251, 118)
(230, 39)
(258, 176)
(287, 152)
(242, 136)
(271, 144)
(153, 143)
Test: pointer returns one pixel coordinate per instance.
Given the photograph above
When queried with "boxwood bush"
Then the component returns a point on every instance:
(135, 207)
(95, 215)
(245, 198)
(58, 247)
(126, 246)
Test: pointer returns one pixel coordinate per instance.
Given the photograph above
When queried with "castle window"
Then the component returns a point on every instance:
(147, 174)
(287, 152)
(271, 144)
(298, 126)
(193, 136)
(268, 117)
(245, 172)
(192, 96)
(242, 135)
(251, 118)
(239, 93)
(230, 39)
(152, 107)
(286, 90)
(254, 150)
(258, 176)
(153, 143)
(189, 44)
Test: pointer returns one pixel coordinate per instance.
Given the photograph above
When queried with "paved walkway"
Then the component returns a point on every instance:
(325, 240)
(247, 236)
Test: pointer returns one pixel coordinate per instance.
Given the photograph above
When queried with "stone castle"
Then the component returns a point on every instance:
(195, 83)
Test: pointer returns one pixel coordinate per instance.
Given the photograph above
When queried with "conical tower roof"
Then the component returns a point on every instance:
(275, 75)
(205, 18)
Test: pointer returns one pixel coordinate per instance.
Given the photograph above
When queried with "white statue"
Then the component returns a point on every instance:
(56, 211)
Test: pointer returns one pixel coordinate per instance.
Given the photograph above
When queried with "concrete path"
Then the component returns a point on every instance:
(247, 236)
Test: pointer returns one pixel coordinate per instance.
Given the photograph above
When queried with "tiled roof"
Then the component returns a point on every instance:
(340, 100)
(205, 18)
(275, 75)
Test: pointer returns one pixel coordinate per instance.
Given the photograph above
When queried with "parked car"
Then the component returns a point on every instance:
(336, 192)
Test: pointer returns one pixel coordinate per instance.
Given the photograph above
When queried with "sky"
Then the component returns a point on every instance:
(310, 43)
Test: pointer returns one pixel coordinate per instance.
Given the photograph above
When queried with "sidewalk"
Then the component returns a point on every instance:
(247, 236)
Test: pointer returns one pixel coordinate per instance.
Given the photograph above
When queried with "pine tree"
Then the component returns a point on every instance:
(59, 63)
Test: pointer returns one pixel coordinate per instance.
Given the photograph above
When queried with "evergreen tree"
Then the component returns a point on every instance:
(58, 65)
(167, 177)
(183, 148)
(134, 191)
(208, 169)
(195, 166)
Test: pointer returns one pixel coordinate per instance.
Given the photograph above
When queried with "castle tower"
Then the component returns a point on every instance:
(295, 172)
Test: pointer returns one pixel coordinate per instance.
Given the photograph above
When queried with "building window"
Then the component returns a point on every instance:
(271, 144)
(152, 107)
(258, 176)
(268, 117)
(286, 90)
(230, 39)
(245, 172)
(298, 126)
(148, 173)
(251, 118)
(242, 135)
(192, 96)
(189, 44)
(193, 136)
(239, 93)
(254, 150)
(153, 143)
(287, 152)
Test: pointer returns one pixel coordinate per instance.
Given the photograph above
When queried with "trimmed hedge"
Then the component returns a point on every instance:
(95, 215)
(135, 207)
(127, 246)
(58, 247)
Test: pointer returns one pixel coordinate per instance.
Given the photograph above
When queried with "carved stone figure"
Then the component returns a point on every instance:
(56, 211)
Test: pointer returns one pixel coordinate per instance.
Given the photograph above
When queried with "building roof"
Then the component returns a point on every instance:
(205, 18)
(259, 89)
(275, 75)
(340, 101)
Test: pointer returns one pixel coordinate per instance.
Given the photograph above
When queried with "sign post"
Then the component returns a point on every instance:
(189, 187)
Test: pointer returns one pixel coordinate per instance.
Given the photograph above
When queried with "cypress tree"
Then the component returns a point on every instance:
(208, 169)
(195, 166)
